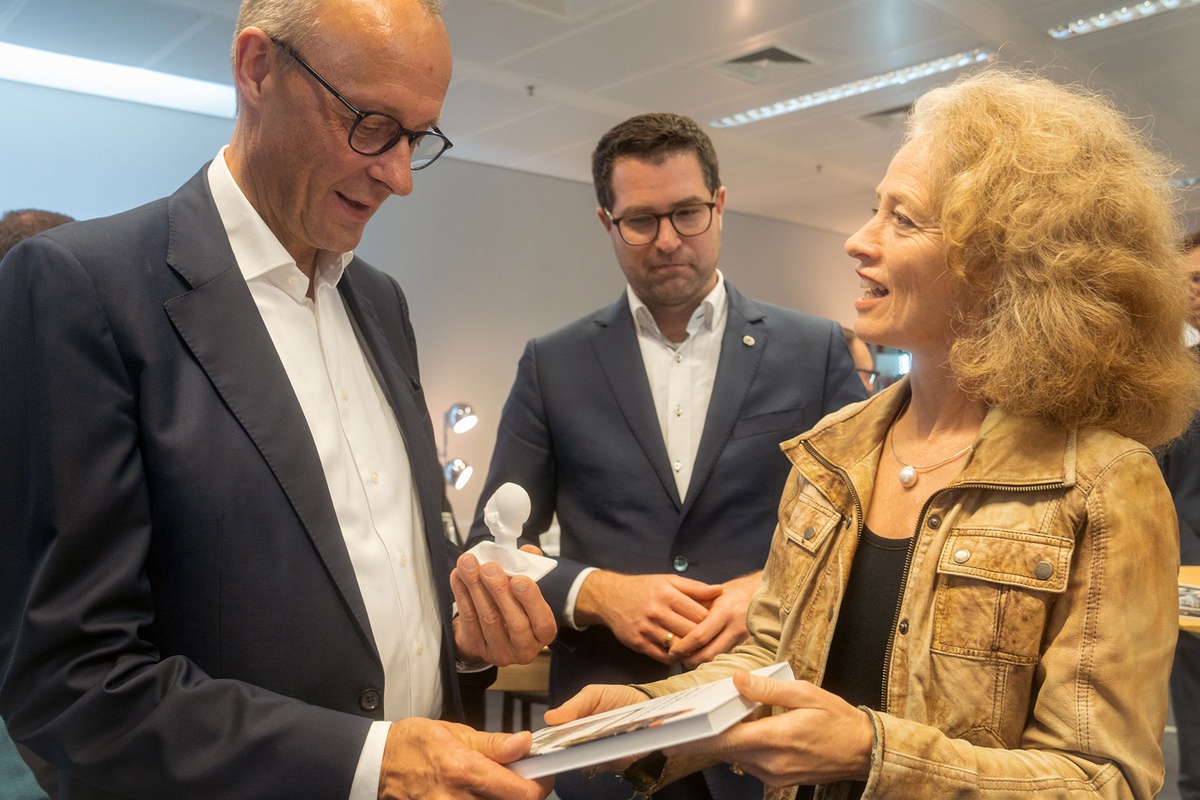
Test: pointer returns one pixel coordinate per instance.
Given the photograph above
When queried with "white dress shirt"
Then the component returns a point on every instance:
(681, 380)
(363, 457)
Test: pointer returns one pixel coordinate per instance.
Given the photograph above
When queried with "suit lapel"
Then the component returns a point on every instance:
(219, 322)
(742, 346)
(395, 368)
(620, 357)
(389, 352)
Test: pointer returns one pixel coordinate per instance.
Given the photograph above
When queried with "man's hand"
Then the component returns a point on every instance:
(725, 626)
(820, 739)
(426, 758)
(642, 610)
(500, 620)
(593, 700)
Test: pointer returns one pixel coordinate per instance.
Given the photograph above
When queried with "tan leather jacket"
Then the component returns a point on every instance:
(1037, 622)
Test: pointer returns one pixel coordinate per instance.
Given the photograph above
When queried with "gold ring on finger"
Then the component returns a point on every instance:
(670, 637)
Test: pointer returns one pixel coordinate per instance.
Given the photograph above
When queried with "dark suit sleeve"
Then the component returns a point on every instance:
(842, 384)
(82, 684)
(1180, 465)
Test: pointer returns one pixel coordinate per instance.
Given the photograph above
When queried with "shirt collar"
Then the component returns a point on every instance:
(708, 315)
(257, 250)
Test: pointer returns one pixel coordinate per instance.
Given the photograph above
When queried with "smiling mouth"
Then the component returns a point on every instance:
(871, 289)
(357, 206)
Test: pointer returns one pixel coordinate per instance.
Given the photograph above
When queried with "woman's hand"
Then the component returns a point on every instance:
(820, 739)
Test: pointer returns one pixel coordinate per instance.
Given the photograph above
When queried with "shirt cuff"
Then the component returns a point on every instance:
(370, 763)
(572, 596)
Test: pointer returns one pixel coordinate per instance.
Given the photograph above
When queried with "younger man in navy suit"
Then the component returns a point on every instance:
(651, 428)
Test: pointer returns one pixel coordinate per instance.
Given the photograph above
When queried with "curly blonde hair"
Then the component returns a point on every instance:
(1058, 215)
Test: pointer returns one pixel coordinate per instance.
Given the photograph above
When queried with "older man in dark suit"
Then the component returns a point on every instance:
(651, 428)
(224, 574)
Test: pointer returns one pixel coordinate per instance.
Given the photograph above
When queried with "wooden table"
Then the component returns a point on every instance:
(525, 684)
(1191, 576)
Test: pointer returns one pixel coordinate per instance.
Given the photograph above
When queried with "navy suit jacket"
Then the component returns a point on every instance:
(1180, 463)
(180, 615)
(580, 433)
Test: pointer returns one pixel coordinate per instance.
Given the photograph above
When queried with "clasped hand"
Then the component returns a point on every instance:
(669, 618)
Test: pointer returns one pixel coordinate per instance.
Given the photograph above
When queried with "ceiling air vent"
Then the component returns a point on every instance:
(759, 66)
(890, 118)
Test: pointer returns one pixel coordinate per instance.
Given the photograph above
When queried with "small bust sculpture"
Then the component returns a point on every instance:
(505, 514)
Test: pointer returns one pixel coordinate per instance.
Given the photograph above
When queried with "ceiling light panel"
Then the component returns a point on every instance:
(116, 81)
(1118, 16)
(897, 77)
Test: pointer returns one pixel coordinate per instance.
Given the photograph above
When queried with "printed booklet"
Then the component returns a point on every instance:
(1189, 600)
(644, 727)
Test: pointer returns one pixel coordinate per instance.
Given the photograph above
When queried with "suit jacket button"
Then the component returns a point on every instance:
(681, 564)
(369, 699)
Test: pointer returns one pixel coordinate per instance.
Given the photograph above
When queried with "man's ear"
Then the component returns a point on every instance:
(604, 220)
(251, 64)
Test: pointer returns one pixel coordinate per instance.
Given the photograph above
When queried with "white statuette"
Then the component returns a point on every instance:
(505, 515)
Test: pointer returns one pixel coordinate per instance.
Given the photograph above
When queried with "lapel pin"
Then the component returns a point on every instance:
(748, 341)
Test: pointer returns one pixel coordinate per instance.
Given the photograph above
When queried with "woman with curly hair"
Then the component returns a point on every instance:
(974, 572)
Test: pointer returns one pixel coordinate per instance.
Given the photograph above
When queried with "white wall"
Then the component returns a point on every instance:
(487, 257)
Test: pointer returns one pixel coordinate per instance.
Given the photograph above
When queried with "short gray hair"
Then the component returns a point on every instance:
(292, 21)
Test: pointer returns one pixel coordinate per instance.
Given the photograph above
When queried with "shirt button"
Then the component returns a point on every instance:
(680, 564)
(345, 394)
(934, 522)
(961, 556)
(810, 532)
(420, 649)
(903, 627)
(369, 699)
(677, 466)
(1043, 570)
(403, 560)
(374, 477)
(292, 281)
(678, 357)
(679, 411)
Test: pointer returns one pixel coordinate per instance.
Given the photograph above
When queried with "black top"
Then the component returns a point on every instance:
(854, 670)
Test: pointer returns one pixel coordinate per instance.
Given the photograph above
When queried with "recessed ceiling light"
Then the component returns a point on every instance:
(1118, 16)
(893, 78)
(102, 79)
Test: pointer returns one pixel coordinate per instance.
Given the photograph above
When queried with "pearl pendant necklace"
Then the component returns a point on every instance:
(908, 472)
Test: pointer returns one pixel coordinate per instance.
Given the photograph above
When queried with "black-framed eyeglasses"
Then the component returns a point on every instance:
(869, 375)
(373, 132)
(641, 229)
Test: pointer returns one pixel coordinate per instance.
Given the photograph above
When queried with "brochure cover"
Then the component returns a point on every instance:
(1189, 600)
(641, 728)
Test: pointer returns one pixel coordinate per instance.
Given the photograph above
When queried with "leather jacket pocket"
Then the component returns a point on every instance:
(807, 527)
(994, 592)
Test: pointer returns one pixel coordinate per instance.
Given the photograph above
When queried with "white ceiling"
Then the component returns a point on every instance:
(538, 81)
